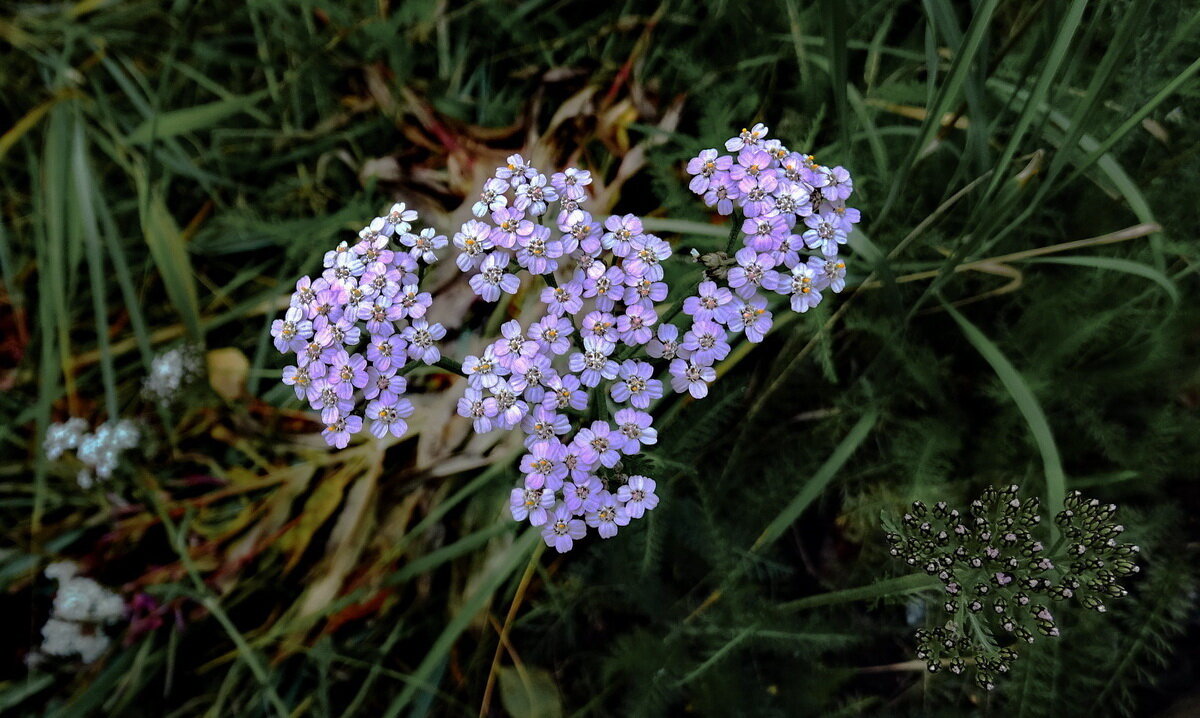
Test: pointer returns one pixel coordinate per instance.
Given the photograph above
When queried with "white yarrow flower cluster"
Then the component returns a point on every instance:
(99, 451)
(81, 608)
(169, 371)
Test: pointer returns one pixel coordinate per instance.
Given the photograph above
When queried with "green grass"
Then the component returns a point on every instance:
(1021, 310)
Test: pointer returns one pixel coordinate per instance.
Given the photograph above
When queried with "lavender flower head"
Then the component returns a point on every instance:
(359, 327)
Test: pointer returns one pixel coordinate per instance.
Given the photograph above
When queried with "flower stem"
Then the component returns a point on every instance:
(733, 232)
(450, 366)
(409, 367)
(678, 305)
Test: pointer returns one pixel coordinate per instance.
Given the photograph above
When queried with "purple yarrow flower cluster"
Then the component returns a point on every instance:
(508, 234)
(545, 378)
(354, 328)
(595, 321)
(580, 381)
(791, 205)
(795, 220)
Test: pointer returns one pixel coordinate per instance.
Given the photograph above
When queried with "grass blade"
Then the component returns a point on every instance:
(1037, 96)
(49, 249)
(1101, 77)
(1116, 264)
(946, 97)
(818, 481)
(901, 585)
(84, 190)
(1136, 118)
(167, 247)
(1027, 403)
(191, 119)
(31, 119)
(517, 554)
(834, 14)
(124, 277)
(36, 683)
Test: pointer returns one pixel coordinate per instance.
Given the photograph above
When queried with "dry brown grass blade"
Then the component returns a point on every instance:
(635, 158)
(322, 503)
(914, 112)
(1136, 231)
(350, 536)
(1016, 279)
(515, 606)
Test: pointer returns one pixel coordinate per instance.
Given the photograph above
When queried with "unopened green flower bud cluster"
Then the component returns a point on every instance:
(999, 576)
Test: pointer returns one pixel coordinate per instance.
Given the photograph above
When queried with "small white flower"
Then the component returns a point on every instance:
(81, 608)
(169, 372)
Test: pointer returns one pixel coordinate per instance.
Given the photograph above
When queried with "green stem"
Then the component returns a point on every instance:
(409, 367)
(677, 307)
(450, 366)
(733, 231)
(498, 315)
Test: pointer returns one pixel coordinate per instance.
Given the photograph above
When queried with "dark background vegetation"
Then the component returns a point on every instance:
(168, 168)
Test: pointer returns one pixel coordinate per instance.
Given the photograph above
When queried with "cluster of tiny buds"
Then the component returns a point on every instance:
(580, 381)
(945, 646)
(81, 608)
(98, 451)
(1096, 559)
(998, 575)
